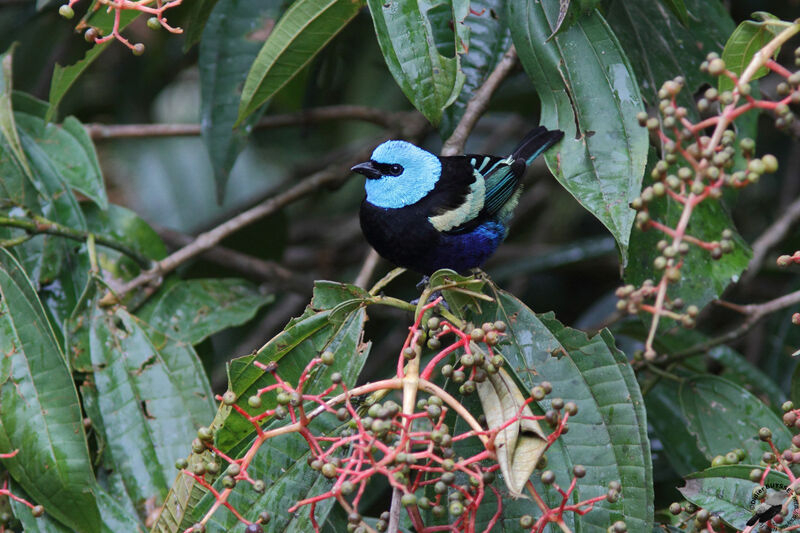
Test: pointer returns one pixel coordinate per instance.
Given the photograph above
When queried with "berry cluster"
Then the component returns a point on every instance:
(410, 445)
(156, 21)
(698, 163)
(692, 517)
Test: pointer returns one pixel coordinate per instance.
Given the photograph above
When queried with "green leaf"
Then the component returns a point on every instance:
(678, 8)
(40, 413)
(70, 152)
(489, 39)
(195, 21)
(723, 417)
(64, 77)
(407, 34)
(748, 38)
(282, 463)
(192, 310)
(587, 89)
(292, 349)
(670, 427)
(126, 227)
(728, 492)
(305, 28)
(114, 517)
(570, 10)
(736, 367)
(609, 433)
(231, 41)
(7, 126)
(660, 47)
(149, 392)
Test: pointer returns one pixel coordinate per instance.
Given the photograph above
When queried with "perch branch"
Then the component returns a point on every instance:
(386, 119)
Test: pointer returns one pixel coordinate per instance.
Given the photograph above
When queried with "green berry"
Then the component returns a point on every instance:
(153, 23)
(66, 11)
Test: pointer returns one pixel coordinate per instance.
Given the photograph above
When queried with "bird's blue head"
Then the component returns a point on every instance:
(399, 174)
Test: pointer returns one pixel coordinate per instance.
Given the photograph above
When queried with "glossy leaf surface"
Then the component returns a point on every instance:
(305, 28)
(430, 77)
(723, 417)
(39, 410)
(191, 310)
(602, 157)
(231, 41)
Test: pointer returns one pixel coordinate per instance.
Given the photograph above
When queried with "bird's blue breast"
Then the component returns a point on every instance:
(421, 171)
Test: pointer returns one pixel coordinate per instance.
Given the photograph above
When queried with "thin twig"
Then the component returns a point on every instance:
(386, 119)
(40, 225)
(478, 103)
(249, 266)
(753, 312)
(331, 175)
(774, 234)
(370, 262)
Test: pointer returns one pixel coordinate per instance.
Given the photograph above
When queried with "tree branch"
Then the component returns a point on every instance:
(245, 264)
(386, 119)
(40, 225)
(774, 234)
(479, 103)
(753, 312)
(331, 176)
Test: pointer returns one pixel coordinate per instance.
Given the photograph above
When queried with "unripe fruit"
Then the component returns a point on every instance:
(66, 11)
(153, 23)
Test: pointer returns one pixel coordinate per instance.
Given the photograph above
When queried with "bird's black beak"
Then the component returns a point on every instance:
(367, 169)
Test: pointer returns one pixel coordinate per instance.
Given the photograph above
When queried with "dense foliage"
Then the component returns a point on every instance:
(197, 338)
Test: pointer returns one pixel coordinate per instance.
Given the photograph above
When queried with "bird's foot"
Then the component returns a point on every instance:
(434, 295)
(424, 281)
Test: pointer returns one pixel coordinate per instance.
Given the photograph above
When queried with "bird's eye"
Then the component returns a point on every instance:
(396, 170)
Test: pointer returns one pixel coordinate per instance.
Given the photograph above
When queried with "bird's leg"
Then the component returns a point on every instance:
(424, 281)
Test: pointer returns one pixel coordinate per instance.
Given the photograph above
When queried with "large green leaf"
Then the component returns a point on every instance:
(748, 38)
(149, 392)
(231, 41)
(425, 64)
(303, 339)
(115, 518)
(608, 435)
(7, 126)
(71, 153)
(196, 21)
(587, 89)
(191, 310)
(305, 28)
(64, 77)
(728, 492)
(282, 463)
(489, 39)
(660, 47)
(723, 417)
(292, 349)
(39, 410)
(670, 428)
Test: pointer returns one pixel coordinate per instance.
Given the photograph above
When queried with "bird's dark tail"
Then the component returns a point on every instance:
(535, 142)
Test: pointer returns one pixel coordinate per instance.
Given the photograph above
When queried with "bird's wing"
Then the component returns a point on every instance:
(476, 188)
(459, 195)
(501, 179)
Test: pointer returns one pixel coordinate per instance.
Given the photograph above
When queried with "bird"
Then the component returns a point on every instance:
(426, 212)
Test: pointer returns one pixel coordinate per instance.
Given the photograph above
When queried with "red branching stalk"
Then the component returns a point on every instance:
(411, 446)
(695, 169)
(154, 8)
